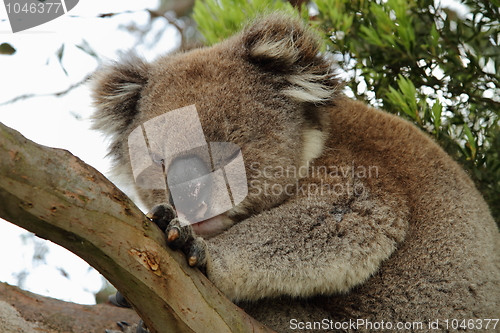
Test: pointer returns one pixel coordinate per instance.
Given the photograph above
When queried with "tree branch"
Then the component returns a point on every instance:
(22, 311)
(58, 197)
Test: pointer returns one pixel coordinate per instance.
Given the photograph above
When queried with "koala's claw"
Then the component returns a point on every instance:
(197, 255)
(162, 215)
(179, 237)
(122, 324)
(173, 235)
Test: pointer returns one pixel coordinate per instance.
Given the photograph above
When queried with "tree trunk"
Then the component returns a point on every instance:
(58, 197)
(22, 311)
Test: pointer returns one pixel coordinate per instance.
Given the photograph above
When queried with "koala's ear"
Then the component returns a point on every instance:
(285, 45)
(116, 90)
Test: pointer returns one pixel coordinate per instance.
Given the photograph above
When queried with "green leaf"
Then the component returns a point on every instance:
(396, 98)
(219, 19)
(370, 35)
(85, 47)
(471, 142)
(437, 110)
(60, 54)
(7, 49)
(405, 98)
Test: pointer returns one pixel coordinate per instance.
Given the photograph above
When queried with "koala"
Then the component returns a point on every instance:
(354, 220)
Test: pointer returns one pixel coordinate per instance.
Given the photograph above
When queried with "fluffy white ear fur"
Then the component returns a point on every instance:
(313, 145)
(282, 50)
(116, 89)
(284, 46)
(308, 88)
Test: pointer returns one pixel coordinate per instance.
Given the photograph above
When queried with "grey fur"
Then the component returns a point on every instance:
(408, 239)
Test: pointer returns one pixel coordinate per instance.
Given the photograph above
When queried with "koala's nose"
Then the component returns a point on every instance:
(189, 190)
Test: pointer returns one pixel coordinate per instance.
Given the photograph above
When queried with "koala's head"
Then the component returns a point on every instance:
(265, 90)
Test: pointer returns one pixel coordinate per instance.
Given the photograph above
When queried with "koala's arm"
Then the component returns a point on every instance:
(306, 247)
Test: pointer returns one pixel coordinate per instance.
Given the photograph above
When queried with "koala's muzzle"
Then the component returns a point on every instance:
(189, 175)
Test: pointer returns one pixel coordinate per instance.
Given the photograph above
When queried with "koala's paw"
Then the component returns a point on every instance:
(179, 237)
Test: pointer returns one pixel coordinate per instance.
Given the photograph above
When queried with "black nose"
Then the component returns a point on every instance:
(189, 190)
